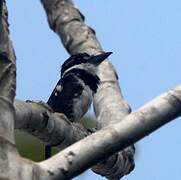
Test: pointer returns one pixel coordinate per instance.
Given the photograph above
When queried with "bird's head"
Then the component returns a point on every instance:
(83, 61)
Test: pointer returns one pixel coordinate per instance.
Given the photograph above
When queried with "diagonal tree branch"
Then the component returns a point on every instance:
(89, 151)
(68, 23)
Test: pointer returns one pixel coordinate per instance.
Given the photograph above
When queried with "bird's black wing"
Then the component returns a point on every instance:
(66, 90)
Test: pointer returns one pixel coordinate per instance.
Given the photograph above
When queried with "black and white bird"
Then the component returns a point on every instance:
(73, 93)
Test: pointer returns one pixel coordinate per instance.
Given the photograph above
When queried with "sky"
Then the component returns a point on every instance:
(145, 37)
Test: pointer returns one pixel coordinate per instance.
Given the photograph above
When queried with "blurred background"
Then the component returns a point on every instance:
(145, 37)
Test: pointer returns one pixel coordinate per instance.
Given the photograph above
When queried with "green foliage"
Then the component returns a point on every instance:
(30, 147)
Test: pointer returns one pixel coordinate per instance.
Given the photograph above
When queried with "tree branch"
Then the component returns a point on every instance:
(12, 166)
(7, 78)
(76, 36)
(52, 128)
(89, 151)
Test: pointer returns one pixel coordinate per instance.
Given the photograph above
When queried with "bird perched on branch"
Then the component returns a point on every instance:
(73, 93)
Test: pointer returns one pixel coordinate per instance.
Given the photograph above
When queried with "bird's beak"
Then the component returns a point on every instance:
(96, 60)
